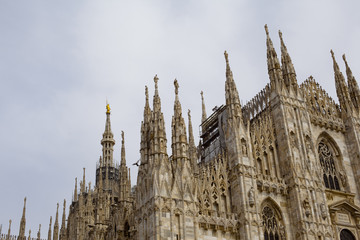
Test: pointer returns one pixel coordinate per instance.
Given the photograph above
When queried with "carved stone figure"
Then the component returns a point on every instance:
(306, 206)
(251, 197)
(323, 210)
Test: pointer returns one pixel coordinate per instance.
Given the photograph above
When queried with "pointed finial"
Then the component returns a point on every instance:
(122, 137)
(266, 29)
(176, 87)
(146, 93)
(280, 35)
(203, 116)
(189, 113)
(336, 66)
(344, 58)
(9, 227)
(156, 79)
(39, 232)
(107, 108)
(226, 56)
(332, 54)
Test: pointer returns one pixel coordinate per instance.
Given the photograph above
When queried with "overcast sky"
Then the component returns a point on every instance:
(60, 61)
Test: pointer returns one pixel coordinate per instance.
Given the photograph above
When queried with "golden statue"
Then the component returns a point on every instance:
(108, 108)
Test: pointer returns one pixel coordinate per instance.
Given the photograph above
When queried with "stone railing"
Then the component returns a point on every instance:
(15, 237)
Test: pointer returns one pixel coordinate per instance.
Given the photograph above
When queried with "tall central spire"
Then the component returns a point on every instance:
(108, 141)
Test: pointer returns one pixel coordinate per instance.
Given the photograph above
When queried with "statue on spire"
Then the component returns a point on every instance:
(203, 116)
(156, 79)
(176, 87)
(108, 108)
(146, 93)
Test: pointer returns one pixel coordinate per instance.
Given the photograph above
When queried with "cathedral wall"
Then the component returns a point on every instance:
(345, 164)
(212, 234)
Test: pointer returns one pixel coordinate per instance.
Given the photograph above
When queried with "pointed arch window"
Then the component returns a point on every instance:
(273, 228)
(327, 162)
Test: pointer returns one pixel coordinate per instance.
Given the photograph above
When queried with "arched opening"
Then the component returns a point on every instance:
(346, 234)
(272, 224)
(126, 229)
(327, 157)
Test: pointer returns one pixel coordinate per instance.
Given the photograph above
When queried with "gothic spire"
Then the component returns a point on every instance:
(100, 180)
(49, 232)
(179, 140)
(123, 159)
(56, 224)
(63, 226)
(156, 99)
(158, 124)
(147, 110)
(231, 93)
(287, 67)
(123, 171)
(9, 230)
(23, 222)
(83, 183)
(274, 70)
(353, 86)
(75, 191)
(191, 134)
(203, 116)
(192, 146)
(108, 141)
(38, 233)
(341, 88)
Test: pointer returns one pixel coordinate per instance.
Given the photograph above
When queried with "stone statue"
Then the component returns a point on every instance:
(343, 178)
(306, 206)
(323, 210)
(251, 195)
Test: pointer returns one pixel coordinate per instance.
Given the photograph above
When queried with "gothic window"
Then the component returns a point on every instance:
(345, 234)
(273, 229)
(327, 162)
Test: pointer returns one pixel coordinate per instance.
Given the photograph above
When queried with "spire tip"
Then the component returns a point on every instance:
(266, 29)
(226, 56)
(332, 53)
(107, 107)
(176, 84)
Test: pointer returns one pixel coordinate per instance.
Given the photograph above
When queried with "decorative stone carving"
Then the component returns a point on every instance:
(343, 178)
(244, 147)
(323, 211)
(306, 206)
(251, 196)
(293, 141)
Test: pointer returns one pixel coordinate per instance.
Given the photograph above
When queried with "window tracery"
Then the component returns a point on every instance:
(273, 228)
(327, 162)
